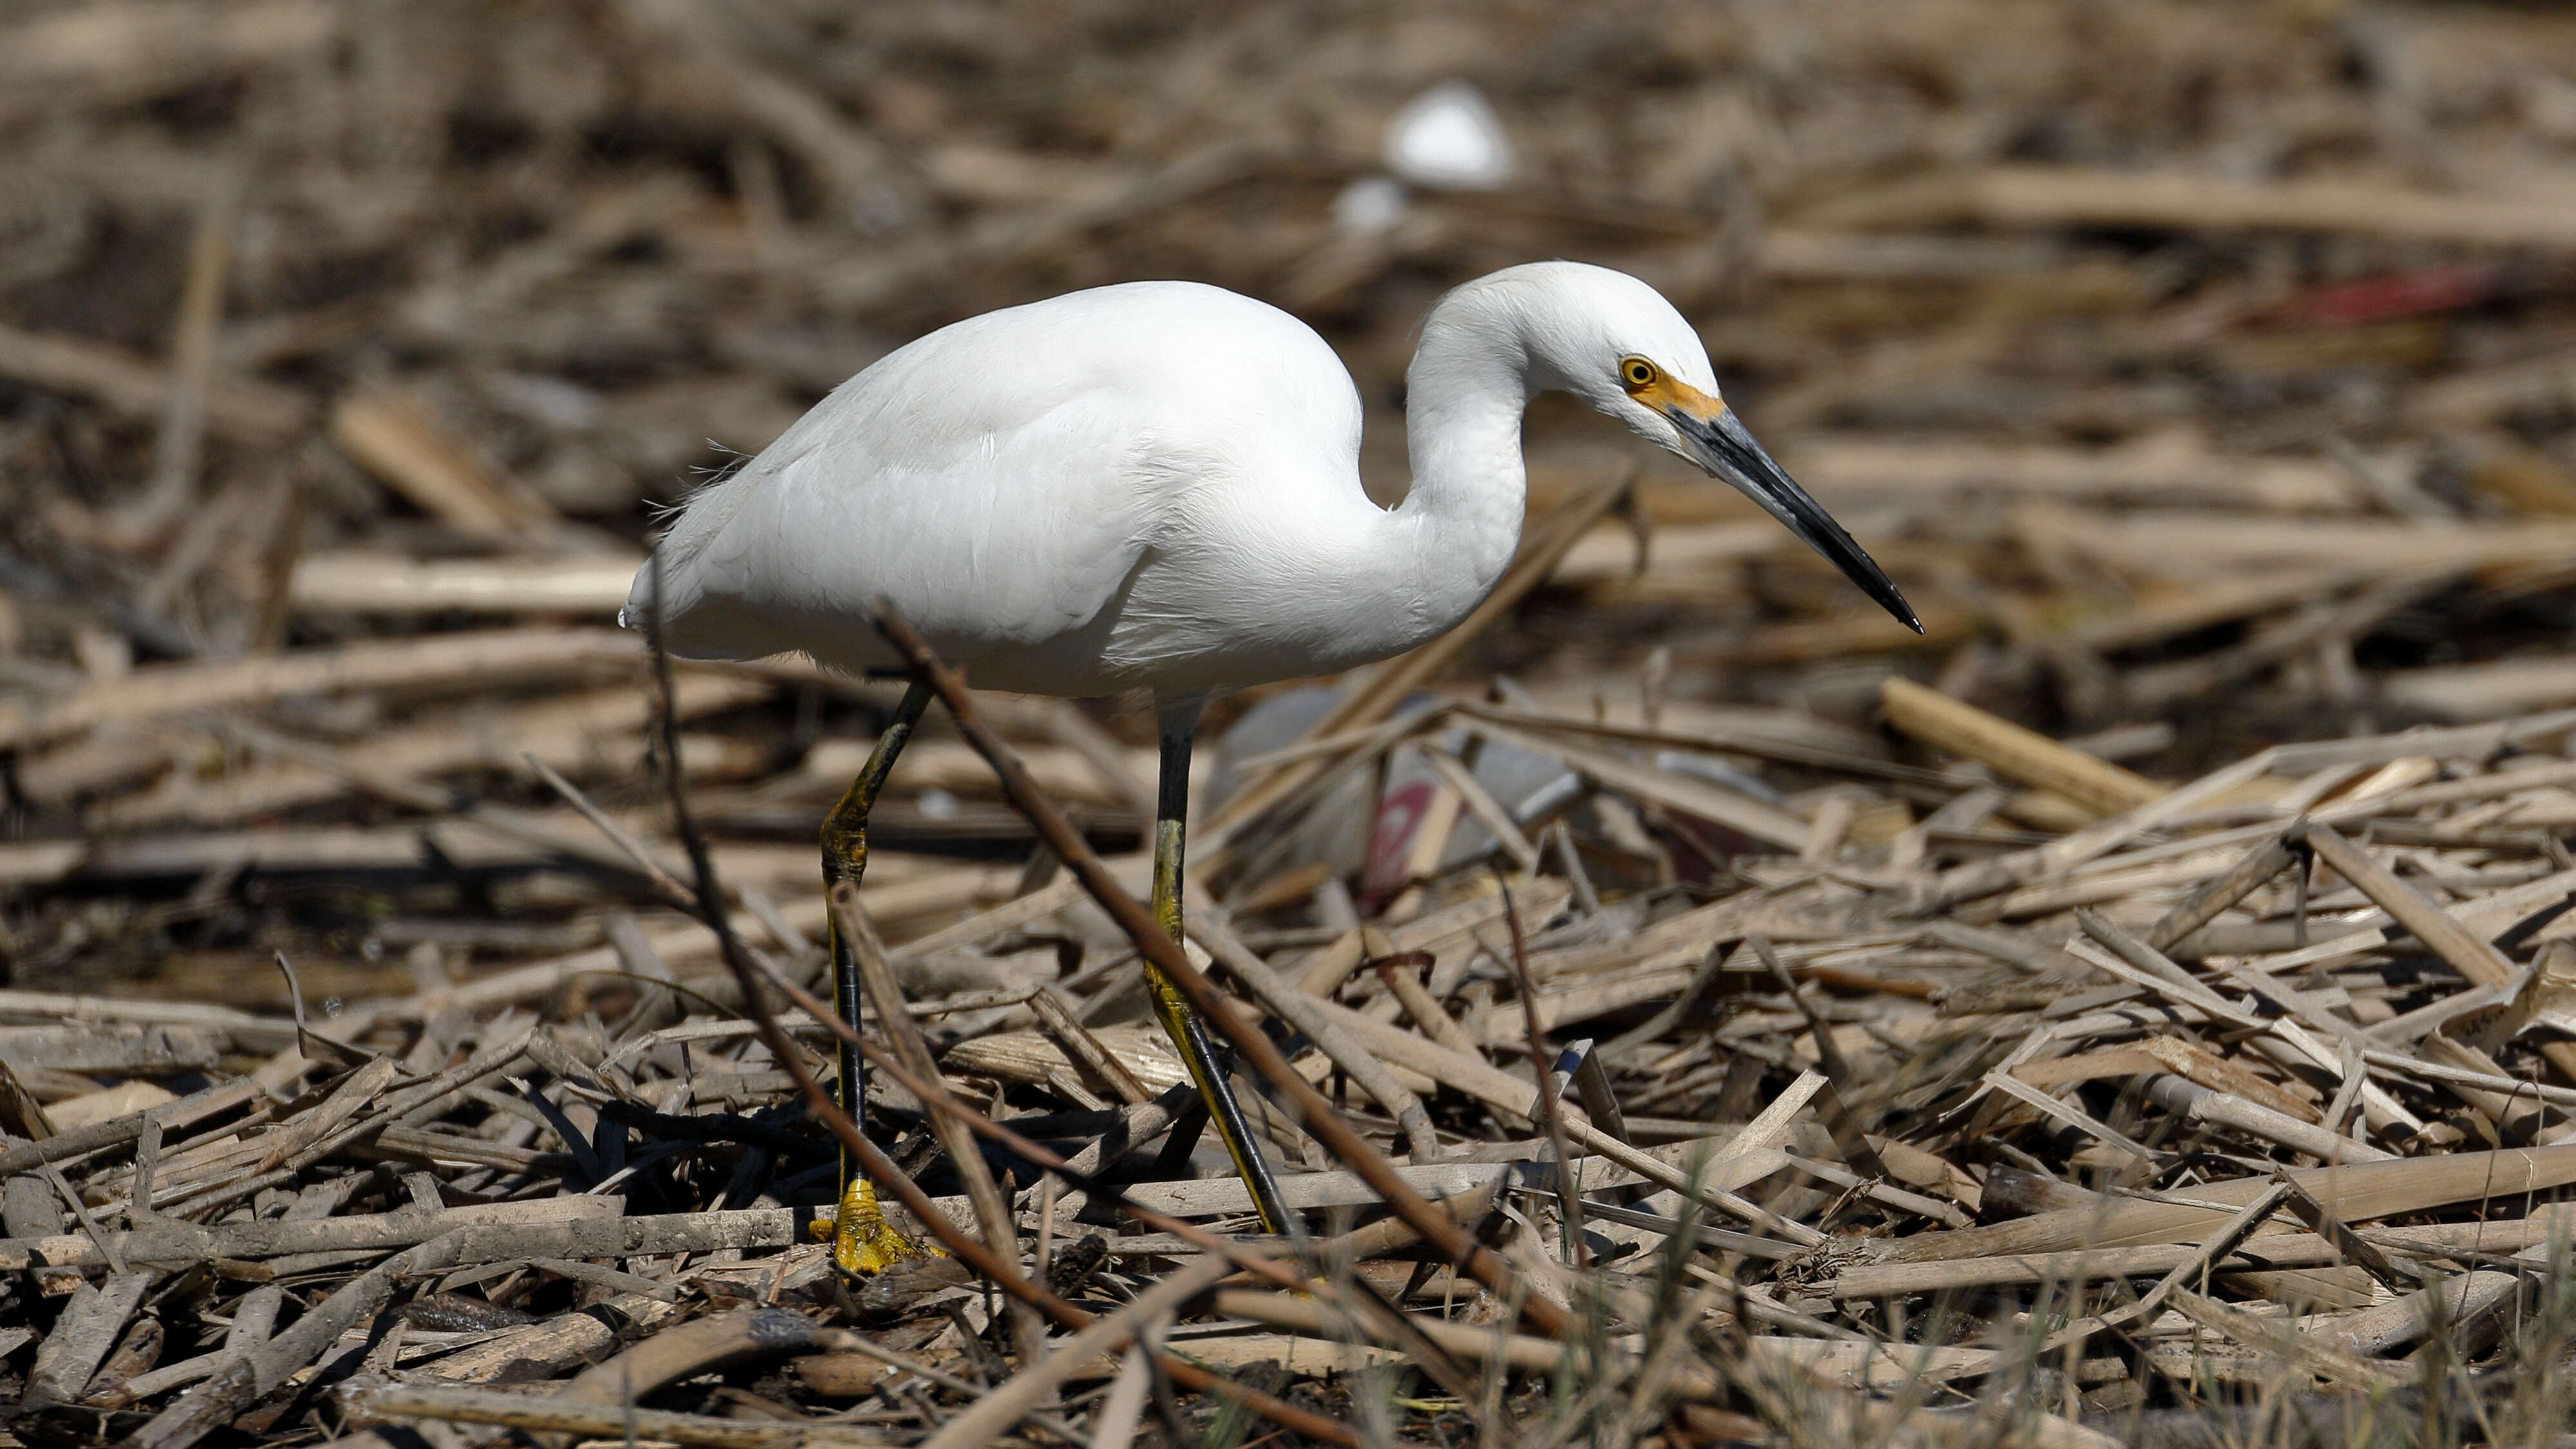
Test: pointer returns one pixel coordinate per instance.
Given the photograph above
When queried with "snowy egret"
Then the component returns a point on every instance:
(1156, 486)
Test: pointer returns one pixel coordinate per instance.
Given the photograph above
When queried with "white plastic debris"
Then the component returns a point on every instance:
(1369, 205)
(1449, 138)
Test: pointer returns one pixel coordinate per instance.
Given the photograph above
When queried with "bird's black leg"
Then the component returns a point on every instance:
(861, 1241)
(1188, 1033)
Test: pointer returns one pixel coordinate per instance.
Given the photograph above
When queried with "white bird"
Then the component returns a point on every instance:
(1156, 486)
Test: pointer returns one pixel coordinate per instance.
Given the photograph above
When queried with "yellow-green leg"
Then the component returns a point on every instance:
(861, 1240)
(1188, 1033)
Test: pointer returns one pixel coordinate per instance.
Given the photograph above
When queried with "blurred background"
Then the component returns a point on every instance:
(2205, 373)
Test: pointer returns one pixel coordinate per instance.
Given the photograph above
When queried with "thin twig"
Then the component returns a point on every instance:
(1551, 1108)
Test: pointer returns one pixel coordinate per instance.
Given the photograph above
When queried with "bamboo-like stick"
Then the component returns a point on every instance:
(2196, 202)
(2203, 905)
(2012, 751)
(444, 659)
(2468, 953)
(384, 1403)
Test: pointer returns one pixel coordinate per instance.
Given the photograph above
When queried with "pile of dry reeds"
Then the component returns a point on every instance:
(1685, 1007)
(2237, 1098)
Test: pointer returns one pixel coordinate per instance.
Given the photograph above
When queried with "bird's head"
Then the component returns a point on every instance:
(1614, 342)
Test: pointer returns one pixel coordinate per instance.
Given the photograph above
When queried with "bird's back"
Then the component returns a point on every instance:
(1000, 481)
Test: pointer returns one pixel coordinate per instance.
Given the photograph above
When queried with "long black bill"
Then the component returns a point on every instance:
(1728, 450)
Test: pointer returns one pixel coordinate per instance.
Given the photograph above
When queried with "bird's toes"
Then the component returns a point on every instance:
(864, 1244)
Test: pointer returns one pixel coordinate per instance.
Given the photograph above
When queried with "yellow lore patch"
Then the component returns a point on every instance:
(1665, 393)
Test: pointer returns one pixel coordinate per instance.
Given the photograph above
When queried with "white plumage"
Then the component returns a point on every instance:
(1157, 485)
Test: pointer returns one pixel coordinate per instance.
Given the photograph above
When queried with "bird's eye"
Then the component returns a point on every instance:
(1637, 372)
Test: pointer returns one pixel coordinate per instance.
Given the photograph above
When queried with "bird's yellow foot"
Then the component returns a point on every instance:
(864, 1244)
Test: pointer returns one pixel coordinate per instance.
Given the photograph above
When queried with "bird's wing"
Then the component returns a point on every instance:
(990, 517)
(1000, 480)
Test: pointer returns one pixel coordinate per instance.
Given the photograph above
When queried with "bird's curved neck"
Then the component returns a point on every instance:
(1464, 395)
